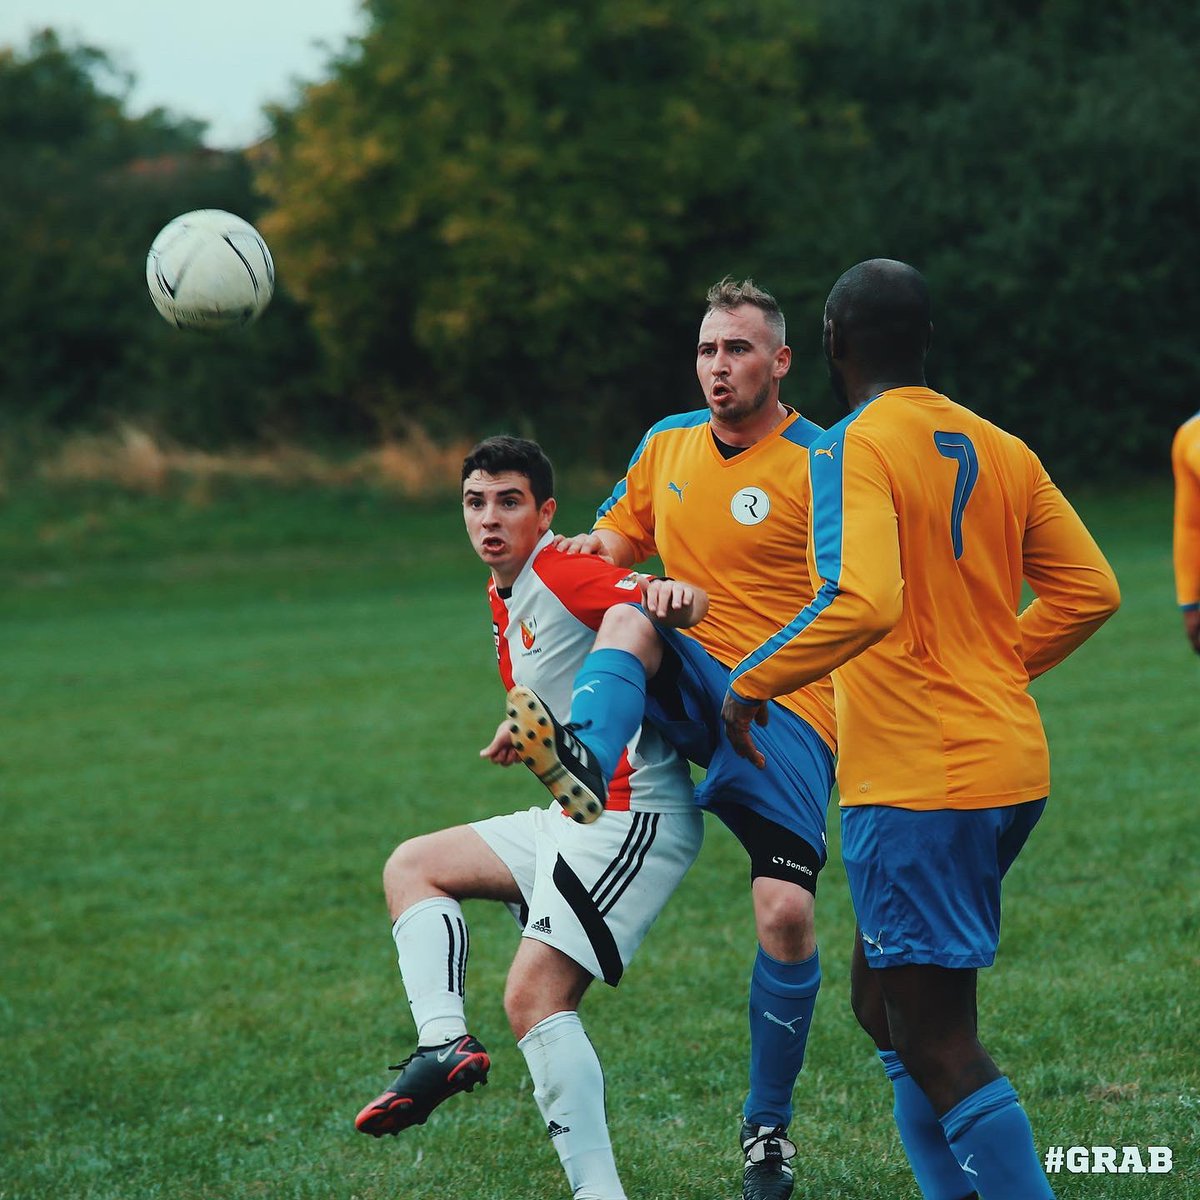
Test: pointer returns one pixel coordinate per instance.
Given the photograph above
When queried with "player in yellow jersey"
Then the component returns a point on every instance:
(1185, 462)
(721, 494)
(926, 519)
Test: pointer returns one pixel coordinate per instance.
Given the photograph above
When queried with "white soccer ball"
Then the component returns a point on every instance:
(209, 270)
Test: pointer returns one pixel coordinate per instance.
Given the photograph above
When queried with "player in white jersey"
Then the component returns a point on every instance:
(585, 893)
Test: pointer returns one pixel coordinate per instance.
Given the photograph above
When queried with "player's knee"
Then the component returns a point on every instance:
(625, 618)
(517, 1008)
(403, 865)
(919, 1054)
(779, 904)
(783, 916)
(933, 1057)
(866, 1002)
(526, 1002)
(540, 985)
(626, 627)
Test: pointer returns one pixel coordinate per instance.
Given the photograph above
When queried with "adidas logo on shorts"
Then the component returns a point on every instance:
(542, 926)
(554, 1129)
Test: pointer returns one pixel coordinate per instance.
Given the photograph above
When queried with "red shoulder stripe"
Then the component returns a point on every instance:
(586, 585)
(499, 630)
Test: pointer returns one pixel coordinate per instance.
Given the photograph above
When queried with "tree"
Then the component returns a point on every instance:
(1038, 162)
(86, 189)
(60, 331)
(514, 219)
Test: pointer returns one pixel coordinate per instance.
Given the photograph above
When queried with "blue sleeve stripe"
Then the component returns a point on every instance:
(686, 420)
(803, 432)
(825, 528)
(618, 492)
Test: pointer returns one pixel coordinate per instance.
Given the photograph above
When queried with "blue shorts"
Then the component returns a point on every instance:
(684, 700)
(926, 885)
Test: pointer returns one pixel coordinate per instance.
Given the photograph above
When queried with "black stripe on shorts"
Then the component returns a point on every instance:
(644, 828)
(599, 935)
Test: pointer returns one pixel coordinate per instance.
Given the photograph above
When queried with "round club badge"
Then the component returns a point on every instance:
(750, 506)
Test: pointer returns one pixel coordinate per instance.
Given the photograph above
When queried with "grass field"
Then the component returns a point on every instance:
(215, 722)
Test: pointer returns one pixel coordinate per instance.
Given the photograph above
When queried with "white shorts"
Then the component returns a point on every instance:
(593, 891)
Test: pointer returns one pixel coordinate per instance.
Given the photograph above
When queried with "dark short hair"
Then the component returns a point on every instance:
(495, 455)
(883, 308)
(726, 294)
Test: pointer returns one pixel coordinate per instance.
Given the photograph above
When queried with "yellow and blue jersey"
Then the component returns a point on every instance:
(1185, 463)
(737, 527)
(926, 519)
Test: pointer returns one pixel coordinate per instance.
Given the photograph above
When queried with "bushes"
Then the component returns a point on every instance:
(509, 222)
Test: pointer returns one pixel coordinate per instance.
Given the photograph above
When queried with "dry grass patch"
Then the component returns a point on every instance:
(139, 461)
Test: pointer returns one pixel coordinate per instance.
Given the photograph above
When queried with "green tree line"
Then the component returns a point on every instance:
(505, 216)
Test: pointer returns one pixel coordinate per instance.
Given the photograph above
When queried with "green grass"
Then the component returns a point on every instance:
(216, 721)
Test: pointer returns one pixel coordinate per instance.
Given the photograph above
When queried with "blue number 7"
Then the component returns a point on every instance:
(960, 448)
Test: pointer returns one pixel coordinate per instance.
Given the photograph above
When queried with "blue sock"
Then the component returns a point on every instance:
(608, 702)
(782, 998)
(934, 1166)
(991, 1138)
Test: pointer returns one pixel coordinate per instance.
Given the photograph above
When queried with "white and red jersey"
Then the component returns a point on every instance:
(545, 625)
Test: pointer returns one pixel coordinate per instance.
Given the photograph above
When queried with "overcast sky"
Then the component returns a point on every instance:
(217, 60)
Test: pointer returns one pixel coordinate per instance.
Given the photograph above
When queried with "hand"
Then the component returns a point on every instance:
(582, 543)
(738, 716)
(500, 749)
(1191, 626)
(669, 602)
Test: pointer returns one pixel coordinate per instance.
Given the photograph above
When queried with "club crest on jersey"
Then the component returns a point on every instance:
(629, 583)
(750, 506)
(528, 632)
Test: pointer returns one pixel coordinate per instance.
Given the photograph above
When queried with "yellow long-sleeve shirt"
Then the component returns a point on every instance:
(1185, 463)
(925, 519)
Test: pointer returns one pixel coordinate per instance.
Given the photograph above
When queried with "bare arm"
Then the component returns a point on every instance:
(674, 604)
(604, 543)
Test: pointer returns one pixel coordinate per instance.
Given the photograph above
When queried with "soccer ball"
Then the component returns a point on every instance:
(209, 270)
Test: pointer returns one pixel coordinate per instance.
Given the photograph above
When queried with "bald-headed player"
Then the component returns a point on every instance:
(926, 520)
(1185, 462)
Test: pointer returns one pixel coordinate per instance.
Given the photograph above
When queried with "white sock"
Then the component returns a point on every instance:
(568, 1086)
(432, 945)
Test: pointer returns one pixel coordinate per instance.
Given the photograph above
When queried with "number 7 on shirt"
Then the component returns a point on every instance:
(960, 448)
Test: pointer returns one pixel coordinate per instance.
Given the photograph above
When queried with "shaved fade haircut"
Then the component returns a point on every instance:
(882, 309)
(495, 455)
(728, 295)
